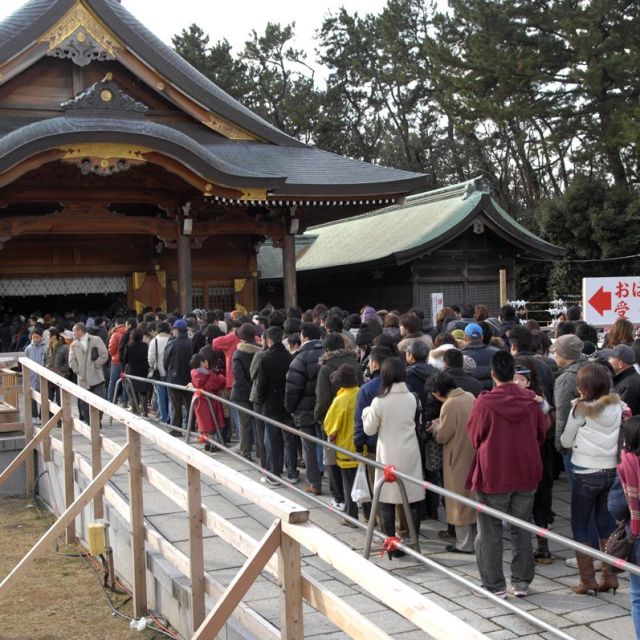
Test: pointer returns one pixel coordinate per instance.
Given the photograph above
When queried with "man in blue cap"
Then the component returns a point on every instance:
(176, 363)
(479, 352)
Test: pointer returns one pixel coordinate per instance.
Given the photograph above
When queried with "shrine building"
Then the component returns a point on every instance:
(125, 172)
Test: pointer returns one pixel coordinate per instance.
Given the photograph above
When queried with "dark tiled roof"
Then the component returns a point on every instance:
(35, 17)
(21, 143)
(308, 171)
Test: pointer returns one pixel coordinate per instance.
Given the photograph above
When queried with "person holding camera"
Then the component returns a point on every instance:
(87, 355)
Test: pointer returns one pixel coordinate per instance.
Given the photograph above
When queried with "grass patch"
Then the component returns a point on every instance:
(58, 597)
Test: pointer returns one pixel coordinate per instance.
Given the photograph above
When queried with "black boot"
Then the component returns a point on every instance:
(389, 528)
(542, 555)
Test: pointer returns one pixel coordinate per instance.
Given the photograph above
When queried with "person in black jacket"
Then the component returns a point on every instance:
(523, 344)
(135, 363)
(241, 389)
(177, 356)
(453, 361)
(481, 353)
(626, 381)
(270, 394)
(300, 397)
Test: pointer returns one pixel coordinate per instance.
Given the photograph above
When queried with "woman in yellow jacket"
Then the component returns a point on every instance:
(339, 425)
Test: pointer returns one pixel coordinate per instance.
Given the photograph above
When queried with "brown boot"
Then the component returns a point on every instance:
(608, 579)
(587, 577)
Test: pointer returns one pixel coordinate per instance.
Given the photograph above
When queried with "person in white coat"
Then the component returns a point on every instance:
(591, 433)
(392, 416)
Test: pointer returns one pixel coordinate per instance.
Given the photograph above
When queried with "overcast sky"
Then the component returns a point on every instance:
(233, 20)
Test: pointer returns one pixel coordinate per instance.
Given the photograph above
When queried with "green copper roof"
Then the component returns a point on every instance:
(422, 223)
(402, 233)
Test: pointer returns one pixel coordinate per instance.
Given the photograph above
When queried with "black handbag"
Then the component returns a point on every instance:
(432, 455)
(620, 545)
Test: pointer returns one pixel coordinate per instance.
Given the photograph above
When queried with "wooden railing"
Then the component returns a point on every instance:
(278, 553)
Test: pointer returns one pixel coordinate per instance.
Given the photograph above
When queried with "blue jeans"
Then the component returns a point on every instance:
(635, 602)
(114, 376)
(592, 531)
(163, 401)
(589, 496)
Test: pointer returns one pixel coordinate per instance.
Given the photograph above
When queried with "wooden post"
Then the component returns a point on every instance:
(184, 273)
(67, 454)
(503, 287)
(289, 270)
(136, 522)
(44, 416)
(28, 428)
(291, 624)
(96, 459)
(196, 553)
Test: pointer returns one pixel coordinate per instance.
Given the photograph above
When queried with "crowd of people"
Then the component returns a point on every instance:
(493, 409)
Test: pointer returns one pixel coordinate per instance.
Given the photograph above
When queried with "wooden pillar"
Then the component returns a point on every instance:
(28, 428)
(503, 287)
(96, 459)
(184, 273)
(67, 453)
(196, 551)
(136, 522)
(289, 271)
(289, 568)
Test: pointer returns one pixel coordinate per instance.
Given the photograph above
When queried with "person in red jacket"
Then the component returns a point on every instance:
(506, 426)
(115, 369)
(228, 345)
(208, 412)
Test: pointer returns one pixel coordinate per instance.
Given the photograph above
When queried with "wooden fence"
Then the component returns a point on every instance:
(277, 553)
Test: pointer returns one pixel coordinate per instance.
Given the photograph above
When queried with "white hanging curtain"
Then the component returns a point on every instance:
(10, 287)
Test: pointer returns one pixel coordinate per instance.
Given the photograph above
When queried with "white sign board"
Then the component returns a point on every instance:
(604, 300)
(437, 305)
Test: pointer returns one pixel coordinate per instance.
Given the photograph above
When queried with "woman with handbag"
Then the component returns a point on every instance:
(624, 506)
(392, 417)
(591, 432)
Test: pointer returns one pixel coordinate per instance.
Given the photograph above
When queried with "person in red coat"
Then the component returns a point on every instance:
(506, 427)
(208, 412)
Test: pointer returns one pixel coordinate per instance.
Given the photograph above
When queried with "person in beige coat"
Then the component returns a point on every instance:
(392, 416)
(457, 454)
(87, 355)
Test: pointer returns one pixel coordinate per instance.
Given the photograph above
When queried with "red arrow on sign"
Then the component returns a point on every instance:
(601, 301)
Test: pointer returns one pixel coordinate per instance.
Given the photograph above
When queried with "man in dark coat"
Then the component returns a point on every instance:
(270, 394)
(479, 352)
(522, 344)
(454, 366)
(626, 381)
(177, 356)
(300, 397)
(241, 389)
(467, 313)
(418, 371)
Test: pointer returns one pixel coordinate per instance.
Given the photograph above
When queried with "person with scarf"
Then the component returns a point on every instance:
(624, 504)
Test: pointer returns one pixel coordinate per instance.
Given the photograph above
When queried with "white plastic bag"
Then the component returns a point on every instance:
(360, 491)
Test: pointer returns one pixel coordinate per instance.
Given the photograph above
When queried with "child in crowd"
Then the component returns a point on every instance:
(209, 413)
(339, 425)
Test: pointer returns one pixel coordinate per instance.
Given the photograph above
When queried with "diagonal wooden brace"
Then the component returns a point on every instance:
(68, 516)
(22, 456)
(243, 581)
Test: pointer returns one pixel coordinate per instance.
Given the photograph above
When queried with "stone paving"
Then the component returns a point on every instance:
(582, 617)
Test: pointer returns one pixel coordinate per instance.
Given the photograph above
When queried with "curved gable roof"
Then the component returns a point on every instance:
(36, 17)
(423, 223)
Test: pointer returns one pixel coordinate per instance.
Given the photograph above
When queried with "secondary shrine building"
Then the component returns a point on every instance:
(125, 172)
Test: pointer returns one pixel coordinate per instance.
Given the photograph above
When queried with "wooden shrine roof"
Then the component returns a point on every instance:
(230, 145)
